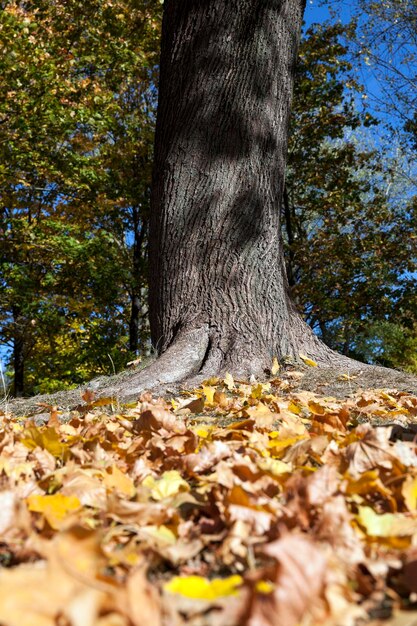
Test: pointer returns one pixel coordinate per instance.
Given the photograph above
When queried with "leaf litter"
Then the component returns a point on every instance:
(235, 504)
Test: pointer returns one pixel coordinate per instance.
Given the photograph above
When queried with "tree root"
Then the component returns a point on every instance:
(184, 365)
(179, 362)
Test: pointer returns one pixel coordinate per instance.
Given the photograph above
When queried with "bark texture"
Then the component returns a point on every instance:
(215, 255)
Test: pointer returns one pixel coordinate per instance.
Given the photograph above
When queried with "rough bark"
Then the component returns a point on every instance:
(215, 255)
(288, 217)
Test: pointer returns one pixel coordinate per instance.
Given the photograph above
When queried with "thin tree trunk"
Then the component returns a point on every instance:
(139, 233)
(135, 310)
(18, 356)
(216, 258)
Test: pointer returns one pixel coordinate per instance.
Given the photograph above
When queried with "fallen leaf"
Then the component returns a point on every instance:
(275, 366)
(200, 588)
(370, 450)
(299, 579)
(386, 524)
(229, 382)
(114, 478)
(209, 392)
(168, 485)
(307, 360)
(54, 508)
(47, 438)
(144, 604)
(409, 491)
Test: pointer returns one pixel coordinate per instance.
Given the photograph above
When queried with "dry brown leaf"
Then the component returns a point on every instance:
(371, 450)
(87, 487)
(143, 601)
(156, 419)
(299, 580)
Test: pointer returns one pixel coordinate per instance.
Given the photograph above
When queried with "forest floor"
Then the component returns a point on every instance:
(291, 502)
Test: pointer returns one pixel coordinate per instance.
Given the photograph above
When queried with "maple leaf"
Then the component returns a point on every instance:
(370, 450)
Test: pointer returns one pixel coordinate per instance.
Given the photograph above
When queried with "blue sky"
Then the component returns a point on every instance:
(319, 11)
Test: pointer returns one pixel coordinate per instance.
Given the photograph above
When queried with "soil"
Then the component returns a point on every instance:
(326, 381)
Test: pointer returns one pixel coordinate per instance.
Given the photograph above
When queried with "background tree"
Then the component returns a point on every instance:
(76, 128)
(350, 244)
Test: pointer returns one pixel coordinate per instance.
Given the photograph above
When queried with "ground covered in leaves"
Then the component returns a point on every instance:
(232, 505)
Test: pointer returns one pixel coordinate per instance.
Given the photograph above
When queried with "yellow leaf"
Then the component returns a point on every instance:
(346, 377)
(409, 491)
(119, 481)
(275, 366)
(277, 446)
(387, 524)
(294, 408)
(274, 466)
(200, 588)
(368, 482)
(307, 360)
(256, 392)
(162, 534)
(202, 431)
(46, 438)
(103, 402)
(212, 381)
(168, 485)
(228, 381)
(264, 586)
(316, 408)
(209, 392)
(54, 508)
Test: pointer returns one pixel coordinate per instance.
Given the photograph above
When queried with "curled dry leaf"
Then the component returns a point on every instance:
(370, 450)
(298, 578)
(157, 419)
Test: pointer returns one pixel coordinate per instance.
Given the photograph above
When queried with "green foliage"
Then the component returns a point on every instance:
(77, 102)
(350, 249)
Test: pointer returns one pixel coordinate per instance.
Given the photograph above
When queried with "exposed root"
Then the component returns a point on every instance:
(192, 359)
(180, 361)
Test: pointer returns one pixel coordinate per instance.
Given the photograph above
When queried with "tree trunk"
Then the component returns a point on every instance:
(139, 232)
(18, 355)
(216, 257)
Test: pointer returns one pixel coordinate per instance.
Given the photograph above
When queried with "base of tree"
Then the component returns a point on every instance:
(196, 355)
(189, 361)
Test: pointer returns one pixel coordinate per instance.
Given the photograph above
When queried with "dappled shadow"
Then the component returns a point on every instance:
(225, 86)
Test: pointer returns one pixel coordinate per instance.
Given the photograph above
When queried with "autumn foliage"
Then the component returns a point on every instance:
(77, 112)
(235, 504)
